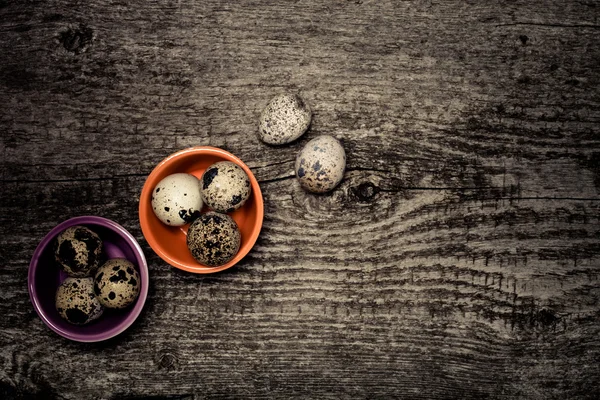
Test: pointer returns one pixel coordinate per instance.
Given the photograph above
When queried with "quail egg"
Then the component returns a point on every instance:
(78, 250)
(213, 239)
(176, 199)
(117, 283)
(225, 186)
(76, 302)
(320, 164)
(284, 120)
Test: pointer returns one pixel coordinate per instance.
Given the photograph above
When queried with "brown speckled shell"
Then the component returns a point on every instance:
(78, 251)
(176, 199)
(117, 283)
(213, 239)
(284, 120)
(320, 165)
(76, 302)
(225, 186)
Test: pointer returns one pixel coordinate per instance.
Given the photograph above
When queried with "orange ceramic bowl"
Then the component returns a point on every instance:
(169, 242)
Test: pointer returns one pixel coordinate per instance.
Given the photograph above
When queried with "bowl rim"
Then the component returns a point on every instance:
(145, 199)
(142, 266)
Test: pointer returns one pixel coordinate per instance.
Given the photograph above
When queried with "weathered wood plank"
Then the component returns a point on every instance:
(459, 257)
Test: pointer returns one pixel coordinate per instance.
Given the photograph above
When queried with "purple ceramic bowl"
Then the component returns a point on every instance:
(45, 276)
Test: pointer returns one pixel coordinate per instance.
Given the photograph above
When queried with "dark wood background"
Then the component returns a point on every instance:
(459, 258)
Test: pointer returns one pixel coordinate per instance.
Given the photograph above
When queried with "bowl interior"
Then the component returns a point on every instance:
(47, 276)
(169, 242)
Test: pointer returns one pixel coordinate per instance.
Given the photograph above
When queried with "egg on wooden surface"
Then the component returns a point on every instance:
(176, 199)
(320, 165)
(284, 119)
(117, 283)
(225, 186)
(76, 301)
(78, 251)
(213, 239)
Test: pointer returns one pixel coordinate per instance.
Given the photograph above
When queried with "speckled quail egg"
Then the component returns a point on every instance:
(320, 164)
(213, 239)
(117, 283)
(225, 186)
(76, 302)
(176, 199)
(284, 119)
(78, 251)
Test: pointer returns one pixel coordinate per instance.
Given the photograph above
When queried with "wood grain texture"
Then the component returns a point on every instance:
(459, 258)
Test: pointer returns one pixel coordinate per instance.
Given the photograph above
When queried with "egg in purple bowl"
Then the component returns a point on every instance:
(46, 274)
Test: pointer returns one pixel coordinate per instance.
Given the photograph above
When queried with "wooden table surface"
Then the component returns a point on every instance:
(459, 257)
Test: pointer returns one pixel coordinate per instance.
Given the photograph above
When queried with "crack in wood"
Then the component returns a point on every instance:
(550, 25)
(98, 179)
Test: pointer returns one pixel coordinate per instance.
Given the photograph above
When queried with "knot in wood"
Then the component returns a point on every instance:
(167, 361)
(523, 39)
(78, 39)
(546, 318)
(365, 191)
